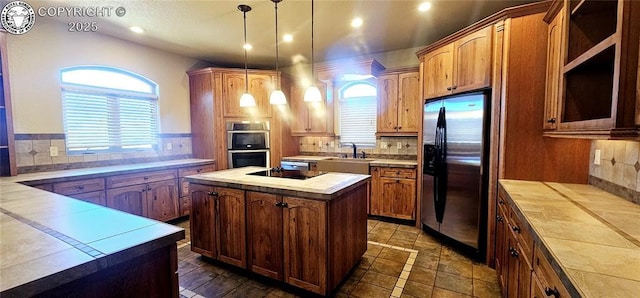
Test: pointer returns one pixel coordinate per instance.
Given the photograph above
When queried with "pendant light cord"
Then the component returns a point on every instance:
(246, 72)
(277, 56)
(313, 73)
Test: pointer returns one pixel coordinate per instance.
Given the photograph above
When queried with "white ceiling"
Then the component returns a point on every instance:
(212, 30)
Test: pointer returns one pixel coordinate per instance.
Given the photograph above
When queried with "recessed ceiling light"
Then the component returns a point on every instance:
(287, 38)
(248, 47)
(136, 29)
(356, 22)
(424, 6)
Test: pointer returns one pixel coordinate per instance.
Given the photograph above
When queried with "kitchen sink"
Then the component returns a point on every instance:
(345, 165)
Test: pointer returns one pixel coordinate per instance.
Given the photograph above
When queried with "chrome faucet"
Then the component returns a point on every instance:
(355, 150)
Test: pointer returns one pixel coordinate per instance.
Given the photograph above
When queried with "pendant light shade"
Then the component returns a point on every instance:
(277, 96)
(313, 93)
(246, 100)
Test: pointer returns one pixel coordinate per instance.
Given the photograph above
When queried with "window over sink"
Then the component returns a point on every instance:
(107, 109)
(358, 113)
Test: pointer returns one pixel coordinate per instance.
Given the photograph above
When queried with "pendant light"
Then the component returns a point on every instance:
(246, 100)
(313, 93)
(277, 96)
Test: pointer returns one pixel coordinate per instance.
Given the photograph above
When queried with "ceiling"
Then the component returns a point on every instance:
(213, 30)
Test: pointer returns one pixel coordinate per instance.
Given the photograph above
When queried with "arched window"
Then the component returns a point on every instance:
(106, 109)
(358, 105)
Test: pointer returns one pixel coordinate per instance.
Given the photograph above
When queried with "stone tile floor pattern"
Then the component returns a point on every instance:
(401, 261)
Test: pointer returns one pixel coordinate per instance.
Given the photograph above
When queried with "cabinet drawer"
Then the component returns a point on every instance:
(398, 173)
(96, 197)
(78, 186)
(195, 170)
(523, 235)
(140, 178)
(549, 280)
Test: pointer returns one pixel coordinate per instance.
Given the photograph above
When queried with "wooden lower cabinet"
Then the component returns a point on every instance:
(202, 220)
(130, 199)
(96, 197)
(393, 192)
(218, 223)
(310, 244)
(157, 200)
(305, 244)
(230, 226)
(264, 234)
(501, 247)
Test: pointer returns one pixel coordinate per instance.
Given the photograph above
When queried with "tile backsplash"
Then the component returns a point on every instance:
(386, 147)
(618, 168)
(33, 155)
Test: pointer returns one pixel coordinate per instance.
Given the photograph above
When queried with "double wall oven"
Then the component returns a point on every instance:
(247, 143)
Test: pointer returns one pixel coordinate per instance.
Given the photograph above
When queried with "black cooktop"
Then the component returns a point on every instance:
(291, 174)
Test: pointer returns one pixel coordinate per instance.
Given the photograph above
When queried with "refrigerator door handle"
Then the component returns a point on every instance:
(440, 177)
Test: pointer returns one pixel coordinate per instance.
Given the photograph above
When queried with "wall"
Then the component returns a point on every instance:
(386, 147)
(618, 170)
(34, 61)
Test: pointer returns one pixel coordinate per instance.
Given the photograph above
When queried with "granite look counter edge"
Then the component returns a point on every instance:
(396, 163)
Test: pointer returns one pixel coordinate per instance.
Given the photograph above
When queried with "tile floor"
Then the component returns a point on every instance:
(401, 261)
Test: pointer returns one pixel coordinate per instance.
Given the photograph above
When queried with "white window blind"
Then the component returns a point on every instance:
(107, 119)
(358, 115)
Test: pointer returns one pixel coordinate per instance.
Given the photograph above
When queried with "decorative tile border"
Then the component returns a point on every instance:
(53, 233)
(38, 136)
(404, 276)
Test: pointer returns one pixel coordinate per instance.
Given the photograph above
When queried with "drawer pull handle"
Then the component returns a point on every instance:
(513, 252)
(199, 170)
(551, 120)
(516, 229)
(282, 204)
(551, 292)
(81, 187)
(448, 88)
(213, 193)
(146, 178)
(501, 202)
(499, 218)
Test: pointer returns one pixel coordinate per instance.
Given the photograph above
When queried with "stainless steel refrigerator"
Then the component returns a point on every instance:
(454, 187)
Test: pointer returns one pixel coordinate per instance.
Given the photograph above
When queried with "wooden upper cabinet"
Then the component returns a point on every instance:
(598, 71)
(438, 72)
(472, 61)
(260, 86)
(398, 103)
(314, 118)
(460, 66)
(554, 64)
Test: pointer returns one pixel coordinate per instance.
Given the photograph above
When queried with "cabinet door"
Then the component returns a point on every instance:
(438, 72)
(318, 112)
(537, 291)
(501, 247)
(300, 110)
(472, 61)
(398, 197)
(202, 220)
(162, 200)
(513, 266)
(233, 88)
(554, 68)
(231, 227)
(375, 204)
(305, 250)
(264, 234)
(387, 103)
(130, 199)
(409, 103)
(96, 197)
(260, 87)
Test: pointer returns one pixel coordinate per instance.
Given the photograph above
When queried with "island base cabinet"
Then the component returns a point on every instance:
(217, 223)
(305, 243)
(264, 234)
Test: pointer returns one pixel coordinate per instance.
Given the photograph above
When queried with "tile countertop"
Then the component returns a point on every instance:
(592, 235)
(55, 176)
(323, 187)
(374, 163)
(49, 239)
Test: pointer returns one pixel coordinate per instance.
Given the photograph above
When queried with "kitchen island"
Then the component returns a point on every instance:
(308, 232)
